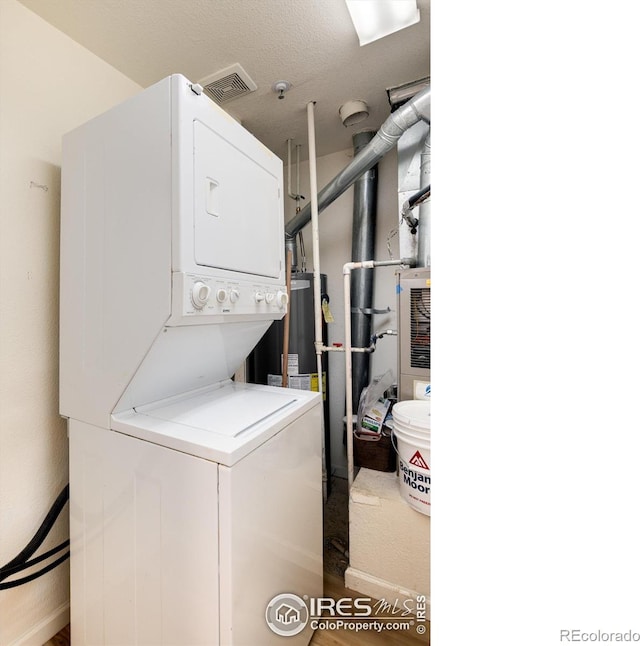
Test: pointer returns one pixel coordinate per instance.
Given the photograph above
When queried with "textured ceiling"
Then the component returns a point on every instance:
(310, 43)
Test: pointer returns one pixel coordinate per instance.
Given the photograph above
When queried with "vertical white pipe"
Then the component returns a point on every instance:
(289, 193)
(347, 369)
(289, 168)
(298, 174)
(317, 291)
(424, 226)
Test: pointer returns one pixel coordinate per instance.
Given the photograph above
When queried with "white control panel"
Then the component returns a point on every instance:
(200, 297)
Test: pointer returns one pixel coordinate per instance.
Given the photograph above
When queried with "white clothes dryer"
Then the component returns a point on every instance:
(195, 500)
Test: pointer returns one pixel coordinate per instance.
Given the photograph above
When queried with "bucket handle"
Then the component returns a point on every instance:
(368, 438)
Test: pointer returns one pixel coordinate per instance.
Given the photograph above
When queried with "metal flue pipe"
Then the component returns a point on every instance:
(424, 228)
(363, 239)
(291, 247)
(397, 123)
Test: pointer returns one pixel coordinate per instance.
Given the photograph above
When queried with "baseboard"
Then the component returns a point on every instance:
(376, 588)
(45, 629)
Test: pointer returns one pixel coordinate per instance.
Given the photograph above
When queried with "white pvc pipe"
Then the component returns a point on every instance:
(346, 271)
(317, 291)
(424, 226)
(298, 196)
(317, 304)
(293, 196)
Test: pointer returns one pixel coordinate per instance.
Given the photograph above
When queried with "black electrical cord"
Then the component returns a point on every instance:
(14, 569)
(35, 575)
(416, 198)
(21, 561)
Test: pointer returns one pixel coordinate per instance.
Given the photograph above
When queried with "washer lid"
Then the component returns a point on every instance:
(221, 423)
(227, 412)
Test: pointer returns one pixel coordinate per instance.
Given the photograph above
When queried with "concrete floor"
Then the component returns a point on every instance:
(336, 528)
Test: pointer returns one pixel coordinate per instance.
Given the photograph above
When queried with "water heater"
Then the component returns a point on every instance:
(265, 362)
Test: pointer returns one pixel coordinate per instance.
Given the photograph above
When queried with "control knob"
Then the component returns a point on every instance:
(221, 295)
(200, 294)
(282, 298)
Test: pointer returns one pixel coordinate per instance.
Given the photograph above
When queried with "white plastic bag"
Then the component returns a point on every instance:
(373, 407)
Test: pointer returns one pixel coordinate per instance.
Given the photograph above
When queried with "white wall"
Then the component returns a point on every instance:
(389, 542)
(335, 225)
(48, 85)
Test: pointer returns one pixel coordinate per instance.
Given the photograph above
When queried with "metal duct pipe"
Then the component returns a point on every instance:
(398, 122)
(362, 248)
(291, 246)
(424, 227)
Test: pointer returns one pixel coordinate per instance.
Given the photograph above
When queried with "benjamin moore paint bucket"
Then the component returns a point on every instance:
(412, 429)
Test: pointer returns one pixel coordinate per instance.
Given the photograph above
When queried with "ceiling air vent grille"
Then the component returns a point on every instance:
(228, 84)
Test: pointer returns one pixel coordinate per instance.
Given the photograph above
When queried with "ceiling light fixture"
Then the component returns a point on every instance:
(375, 19)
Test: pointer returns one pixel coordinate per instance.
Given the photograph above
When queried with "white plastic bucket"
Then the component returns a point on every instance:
(412, 430)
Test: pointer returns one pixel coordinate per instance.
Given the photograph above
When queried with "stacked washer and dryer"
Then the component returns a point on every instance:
(195, 499)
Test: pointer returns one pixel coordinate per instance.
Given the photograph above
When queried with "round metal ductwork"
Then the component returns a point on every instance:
(353, 112)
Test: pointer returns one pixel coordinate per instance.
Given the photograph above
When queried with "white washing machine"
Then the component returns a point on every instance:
(195, 499)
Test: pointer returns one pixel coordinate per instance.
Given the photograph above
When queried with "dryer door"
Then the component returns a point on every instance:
(237, 215)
